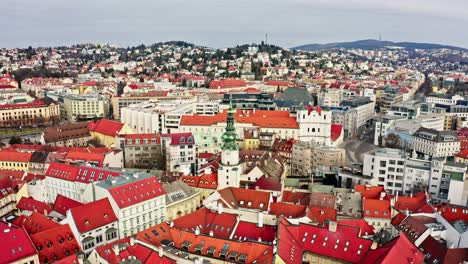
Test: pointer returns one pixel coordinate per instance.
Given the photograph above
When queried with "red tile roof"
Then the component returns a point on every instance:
(142, 138)
(287, 210)
(396, 220)
(34, 104)
(415, 226)
(439, 253)
(369, 192)
(411, 204)
(366, 229)
(297, 197)
(336, 131)
(55, 243)
(321, 215)
(207, 221)
(93, 215)
(180, 138)
(36, 223)
(138, 191)
(251, 231)
(259, 118)
(452, 213)
(63, 204)
(259, 252)
(227, 83)
(29, 204)
(16, 244)
(85, 156)
(14, 156)
(237, 197)
(342, 244)
(82, 174)
(140, 252)
(279, 83)
(267, 184)
(322, 200)
(376, 208)
(400, 250)
(462, 154)
(105, 127)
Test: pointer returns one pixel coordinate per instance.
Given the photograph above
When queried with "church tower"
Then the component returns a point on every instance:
(229, 170)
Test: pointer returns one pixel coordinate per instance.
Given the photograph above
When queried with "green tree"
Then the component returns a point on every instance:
(15, 140)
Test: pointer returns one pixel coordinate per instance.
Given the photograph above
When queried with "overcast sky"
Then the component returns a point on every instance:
(222, 23)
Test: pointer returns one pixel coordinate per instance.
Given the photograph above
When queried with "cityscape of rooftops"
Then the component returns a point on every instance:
(210, 131)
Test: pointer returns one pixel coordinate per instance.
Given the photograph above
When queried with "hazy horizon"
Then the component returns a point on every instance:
(219, 23)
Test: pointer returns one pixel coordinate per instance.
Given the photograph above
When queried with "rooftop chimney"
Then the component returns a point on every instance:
(132, 241)
(332, 226)
(161, 252)
(116, 250)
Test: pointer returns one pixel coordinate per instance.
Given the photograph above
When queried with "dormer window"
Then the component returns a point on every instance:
(241, 202)
(249, 204)
(182, 140)
(261, 205)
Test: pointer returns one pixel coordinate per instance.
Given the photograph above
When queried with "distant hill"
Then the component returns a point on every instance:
(374, 44)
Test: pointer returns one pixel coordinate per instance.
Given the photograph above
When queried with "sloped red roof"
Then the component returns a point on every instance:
(222, 225)
(85, 156)
(239, 197)
(400, 250)
(36, 223)
(342, 244)
(208, 181)
(369, 192)
(105, 126)
(260, 118)
(253, 251)
(227, 83)
(251, 231)
(279, 83)
(180, 138)
(452, 213)
(376, 208)
(267, 184)
(296, 197)
(287, 210)
(441, 254)
(321, 215)
(141, 138)
(140, 252)
(14, 156)
(93, 215)
(83, 174)
(252, 90)
(336, 130)
(55, 243)
(136, 192)
(29, 204)
(410, 203)
(396, 220)
(366, 229)
(16, 244)
(62, 204)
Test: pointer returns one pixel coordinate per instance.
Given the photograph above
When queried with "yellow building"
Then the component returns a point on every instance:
(104, 131)
(251, 139)
(37, 112)
(13, 160)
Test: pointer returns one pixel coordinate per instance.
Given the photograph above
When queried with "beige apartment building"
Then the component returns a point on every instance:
(311, 159)
(85, 107)
(37, 112)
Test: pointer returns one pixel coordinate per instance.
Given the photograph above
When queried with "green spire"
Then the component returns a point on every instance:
(230, 137)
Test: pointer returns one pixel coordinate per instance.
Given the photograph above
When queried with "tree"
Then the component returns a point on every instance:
(393, 141)
(15, 140)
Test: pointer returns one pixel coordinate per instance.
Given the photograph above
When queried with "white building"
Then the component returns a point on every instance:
(180, 153)
(434, 143)
(71, 181)
(386, 167)
(93, 224)
(138, 201)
